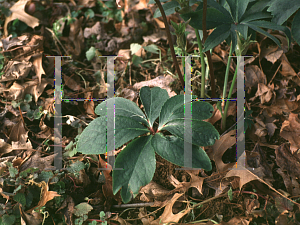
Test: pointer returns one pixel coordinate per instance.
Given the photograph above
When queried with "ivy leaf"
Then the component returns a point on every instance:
(171, 148)
(82, 209)
(93, 139)
(153, 99)
(203, 133)
(20, 197)
(138, 163)
(76, 167)
(8, 219)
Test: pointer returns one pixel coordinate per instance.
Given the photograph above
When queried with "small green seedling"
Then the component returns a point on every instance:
(148, 137)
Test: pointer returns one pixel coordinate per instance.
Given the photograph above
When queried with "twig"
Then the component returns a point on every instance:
(170, 42)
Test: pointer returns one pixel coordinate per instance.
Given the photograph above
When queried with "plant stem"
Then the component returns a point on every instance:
(226, 76)
(170, 42)
(229, 95)
(211, 69)
(202, 64)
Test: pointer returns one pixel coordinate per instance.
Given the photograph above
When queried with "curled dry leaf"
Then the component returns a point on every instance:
(216, 151)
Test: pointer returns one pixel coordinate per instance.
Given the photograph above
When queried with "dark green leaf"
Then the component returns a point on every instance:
(213, 18)
(169, 8)
(217, 36)
(153, 99)
(233, 36)
(171, 148)
(238, 8)
(93, 139)
(138, 163)
(137, 60)
(200, 111)
(76, 167)
(256, 16)
(243, 29)
(296, 27)
(168, 108)
(219, 7)
(282, 10)
(269, 25)
(20, 197)
(8, 219)
(203, 133)
(123, 107)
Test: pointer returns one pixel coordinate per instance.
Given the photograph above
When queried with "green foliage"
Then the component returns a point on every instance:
(282, 11)
(8, 219)
(90, 54)
(17, 27)
(20, 197)
(165, 138)
(26, 105)
(238, 16)
(81, 210)
(230, 194)
(109, 11)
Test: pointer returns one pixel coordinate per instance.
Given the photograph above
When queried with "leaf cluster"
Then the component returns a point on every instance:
(161, 130)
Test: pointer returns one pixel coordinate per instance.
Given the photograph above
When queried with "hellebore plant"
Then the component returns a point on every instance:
(236, 22)
(148, 137)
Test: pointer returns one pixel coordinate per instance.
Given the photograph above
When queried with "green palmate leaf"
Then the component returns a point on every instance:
(93, 139)
(200, 111)
(296, 27)
(265, 24)
(256, 16)
(256, 6)
(163, 145)
(202, 133)
(282, 9)
(138, 163)
(214, 4)
(270, 25)
(243, 29)
(169, 8)
(168, 108)
(237, 8)
(153, 99)
(123, 107)
(217, 36)
(174, 104)
(213, 18)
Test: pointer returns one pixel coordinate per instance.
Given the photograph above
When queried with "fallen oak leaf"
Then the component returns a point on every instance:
(18, 12)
